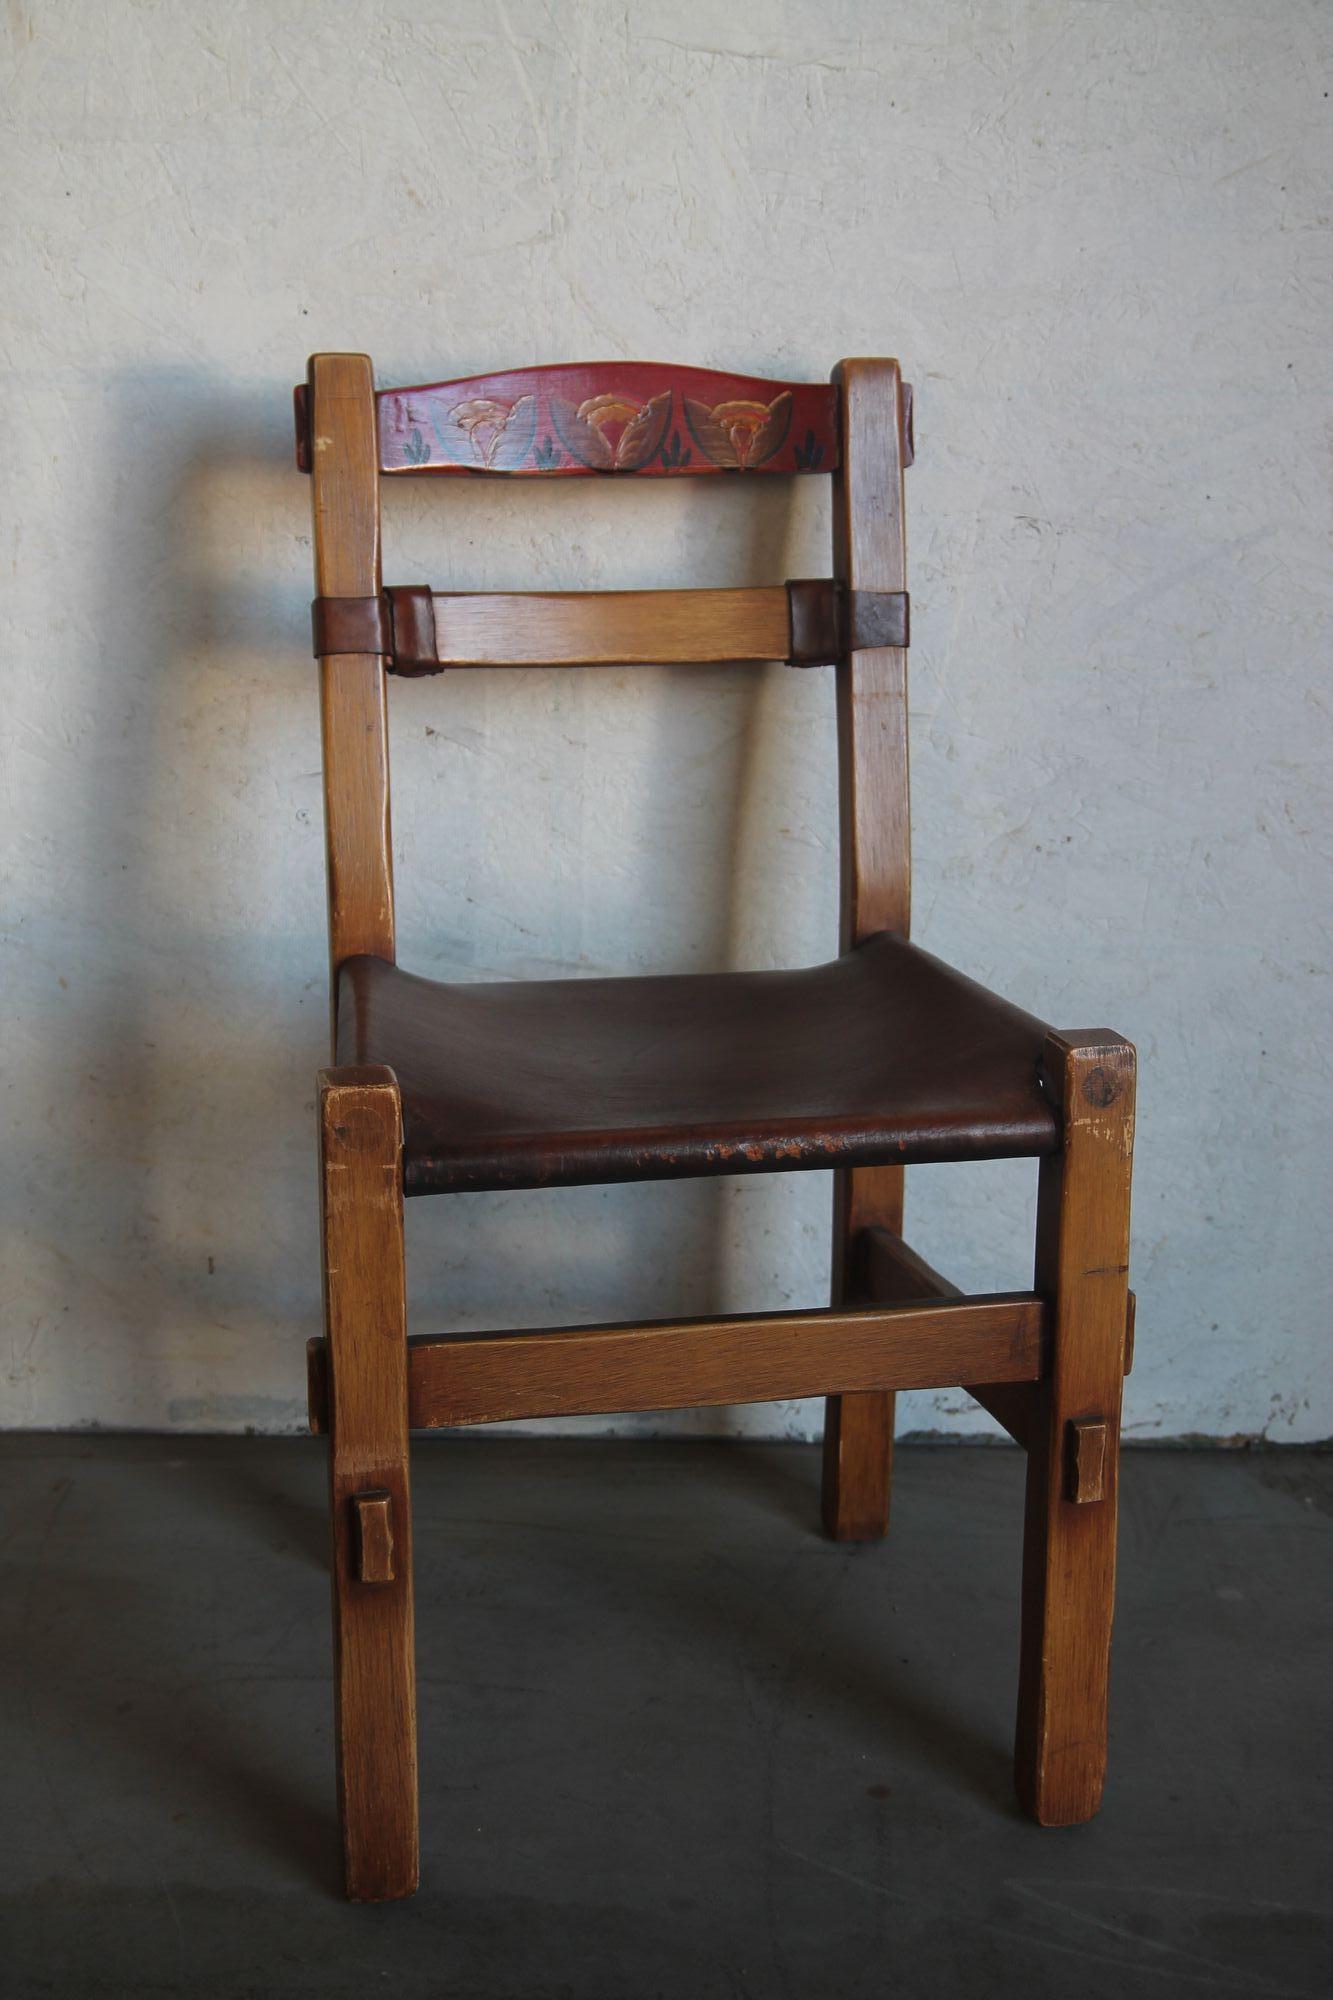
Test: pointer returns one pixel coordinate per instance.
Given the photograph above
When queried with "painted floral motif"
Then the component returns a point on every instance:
(740, 435)
(625, 417)
(612, 432)
(492, 435)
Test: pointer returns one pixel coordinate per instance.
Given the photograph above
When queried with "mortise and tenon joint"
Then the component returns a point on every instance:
(372, 1514)
(1087, 1442)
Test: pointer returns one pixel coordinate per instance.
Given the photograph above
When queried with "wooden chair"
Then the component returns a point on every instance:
(881, 1058)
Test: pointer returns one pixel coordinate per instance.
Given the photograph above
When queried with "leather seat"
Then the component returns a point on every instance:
(882, 1055)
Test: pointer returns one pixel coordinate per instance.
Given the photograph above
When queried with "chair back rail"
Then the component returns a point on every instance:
(808, 623)
(601, 417)
(628, 628)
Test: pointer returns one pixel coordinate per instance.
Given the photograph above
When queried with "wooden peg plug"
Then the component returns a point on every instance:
(373, 1512)
(1086, 1441)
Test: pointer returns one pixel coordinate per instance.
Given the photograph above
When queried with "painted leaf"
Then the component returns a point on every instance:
(456, 442)
(709, 435)
(584, 443)
(810, 455)
(643, 434)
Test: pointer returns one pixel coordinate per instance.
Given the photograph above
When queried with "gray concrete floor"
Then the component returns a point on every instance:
(673, 1742)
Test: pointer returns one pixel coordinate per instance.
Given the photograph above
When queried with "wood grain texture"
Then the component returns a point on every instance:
(756, 1358)
(612, 628)
(1069, 1546)
(884, 1268)
(869, 553)
(360, 1126)
(887, 1268)
(345, 507)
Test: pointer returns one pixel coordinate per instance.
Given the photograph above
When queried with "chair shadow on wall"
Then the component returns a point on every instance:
(192, 1206)
(175, 1213)
(206, 1034)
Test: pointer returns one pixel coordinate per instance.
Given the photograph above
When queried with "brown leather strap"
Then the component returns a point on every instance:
(877, 618)
(399, 624)
(828, 622)
(350, 625)
(813, 603)
(413, 612)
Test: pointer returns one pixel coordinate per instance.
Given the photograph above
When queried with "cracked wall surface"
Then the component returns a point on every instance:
(1098, 237)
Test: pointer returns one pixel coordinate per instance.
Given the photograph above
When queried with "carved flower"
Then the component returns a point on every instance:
(740, 434)
(612, 432)
(608, 412)
(486, 421)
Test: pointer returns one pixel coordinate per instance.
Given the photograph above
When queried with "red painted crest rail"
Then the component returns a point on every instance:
(602, 416)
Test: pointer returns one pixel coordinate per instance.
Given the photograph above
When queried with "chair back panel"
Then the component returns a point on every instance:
(602, 416)
(628, 418)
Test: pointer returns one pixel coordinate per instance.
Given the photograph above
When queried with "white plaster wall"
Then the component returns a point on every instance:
(1098, 235)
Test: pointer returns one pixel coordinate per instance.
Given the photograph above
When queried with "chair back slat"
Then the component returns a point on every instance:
(628, 628)
(602, 417)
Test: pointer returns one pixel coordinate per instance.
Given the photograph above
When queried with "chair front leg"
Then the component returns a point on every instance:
(1070, 1523)
(361, 1181)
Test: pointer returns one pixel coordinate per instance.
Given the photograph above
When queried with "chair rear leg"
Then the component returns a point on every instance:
(365, 1316)
(1070, 1523)
(858, 1466)
(858, 1429)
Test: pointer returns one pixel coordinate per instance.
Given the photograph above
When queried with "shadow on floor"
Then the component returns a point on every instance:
(673, 1742)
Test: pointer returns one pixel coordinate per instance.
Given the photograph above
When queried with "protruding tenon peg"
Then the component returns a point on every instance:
(373, 1512)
